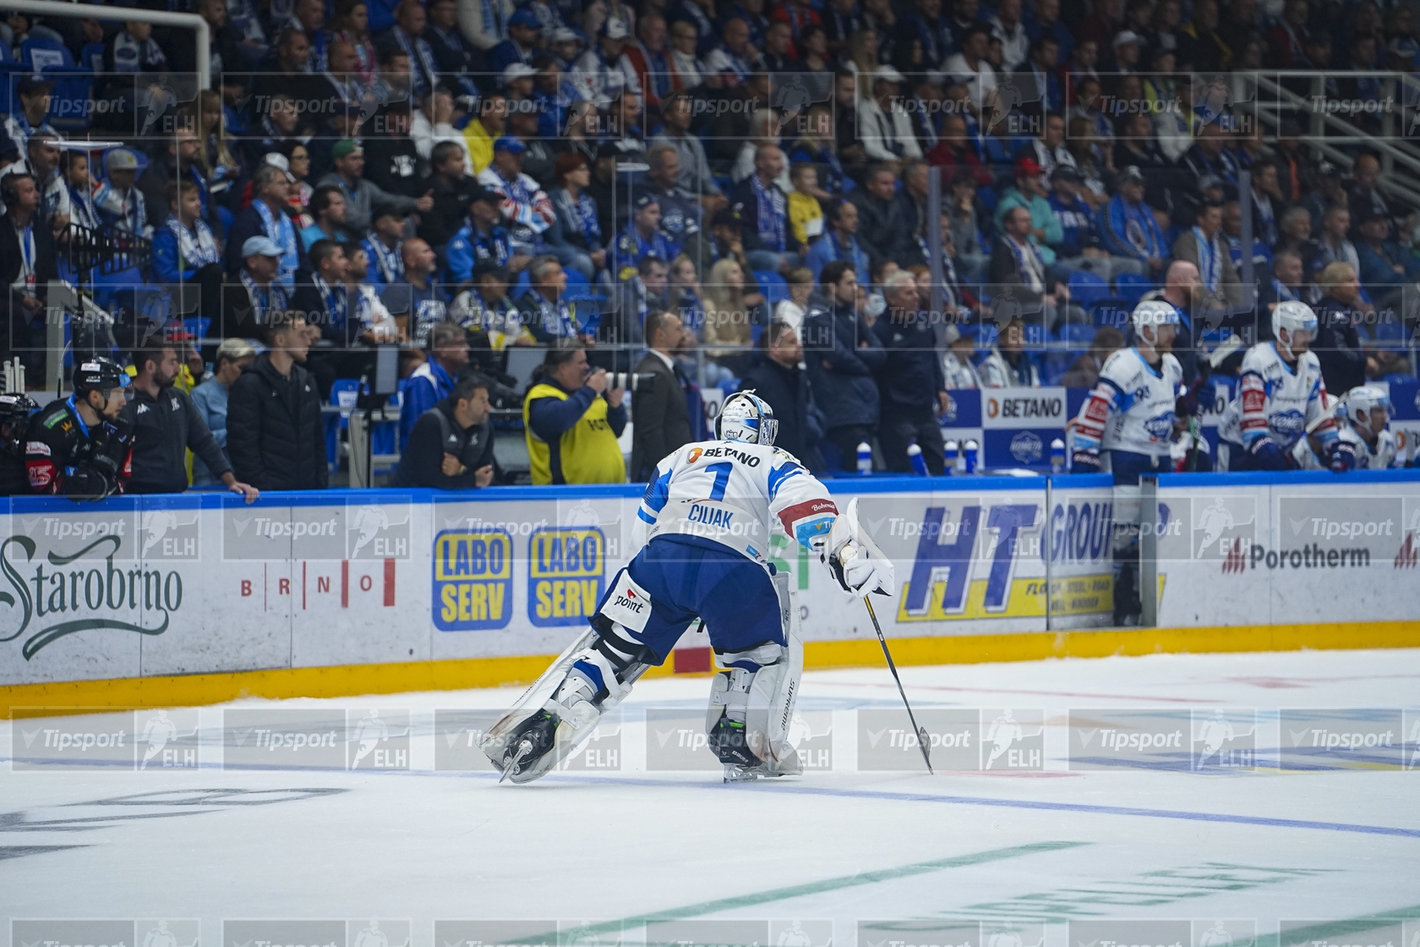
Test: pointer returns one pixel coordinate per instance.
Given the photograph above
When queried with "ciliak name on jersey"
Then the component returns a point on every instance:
(730, 493)
(1277, 400)
(1131, 408)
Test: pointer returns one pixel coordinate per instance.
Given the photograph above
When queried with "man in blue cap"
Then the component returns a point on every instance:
(642, 237)
(526, 209)
(521, 44)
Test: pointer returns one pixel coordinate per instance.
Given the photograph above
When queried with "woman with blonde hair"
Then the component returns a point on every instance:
(215, 156)
(730, 312)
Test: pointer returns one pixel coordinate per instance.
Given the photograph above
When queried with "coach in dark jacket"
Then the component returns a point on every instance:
(275, 436)
(778, 376)
(451, 446)
(1337, 344)
(660, 417)
(166, 425)
(912, 386)
(842, 355)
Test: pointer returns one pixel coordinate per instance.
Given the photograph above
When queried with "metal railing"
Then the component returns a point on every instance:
(1398, 110)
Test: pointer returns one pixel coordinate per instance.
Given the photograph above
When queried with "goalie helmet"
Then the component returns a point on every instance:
(1292, 315)
(1150, 314)
(1361, 402)
(15, 411)
(746, 417)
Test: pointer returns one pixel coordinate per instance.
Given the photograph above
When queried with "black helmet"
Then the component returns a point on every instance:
(98, 374)
(15, 411)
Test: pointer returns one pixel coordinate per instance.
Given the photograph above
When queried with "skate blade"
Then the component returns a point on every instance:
(516, 763)
(735, 773)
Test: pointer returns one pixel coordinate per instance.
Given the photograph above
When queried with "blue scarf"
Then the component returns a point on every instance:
(769, 215)
(389, 262)
(1208, 266)
(334, 299)
(263, 301)
(280, 230)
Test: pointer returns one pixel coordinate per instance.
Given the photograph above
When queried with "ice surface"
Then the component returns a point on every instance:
(1303, 818)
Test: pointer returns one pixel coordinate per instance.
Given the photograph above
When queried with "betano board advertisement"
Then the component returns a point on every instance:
(140, 587)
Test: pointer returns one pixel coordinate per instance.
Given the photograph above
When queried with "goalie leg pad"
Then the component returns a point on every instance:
(752, 708)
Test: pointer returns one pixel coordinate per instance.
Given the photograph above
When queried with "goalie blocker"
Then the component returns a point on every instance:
(708, 511)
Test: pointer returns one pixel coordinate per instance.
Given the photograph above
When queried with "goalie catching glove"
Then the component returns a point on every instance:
(857, 564)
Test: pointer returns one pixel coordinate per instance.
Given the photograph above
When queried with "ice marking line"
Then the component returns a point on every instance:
(815, 887)
(1180, 814)
(1153, 698)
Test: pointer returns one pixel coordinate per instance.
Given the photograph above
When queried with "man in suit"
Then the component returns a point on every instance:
(661, 416)
(27, 264)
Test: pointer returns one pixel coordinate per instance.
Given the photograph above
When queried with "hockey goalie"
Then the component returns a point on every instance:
(708, 513)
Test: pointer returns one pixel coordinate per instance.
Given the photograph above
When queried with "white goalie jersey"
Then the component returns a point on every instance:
(732, 493)
(1132, 406)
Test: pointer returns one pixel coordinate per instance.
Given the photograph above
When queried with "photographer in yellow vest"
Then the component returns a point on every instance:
(572, 420)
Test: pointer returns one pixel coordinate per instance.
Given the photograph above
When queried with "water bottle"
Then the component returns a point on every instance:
(1057, 456)
(865, 458)
(970, 452)
(919, 463)
(949, 454)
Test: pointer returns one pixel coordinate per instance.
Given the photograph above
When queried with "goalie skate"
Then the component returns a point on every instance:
(546, 725)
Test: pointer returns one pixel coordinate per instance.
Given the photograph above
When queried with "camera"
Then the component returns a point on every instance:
(635, 382)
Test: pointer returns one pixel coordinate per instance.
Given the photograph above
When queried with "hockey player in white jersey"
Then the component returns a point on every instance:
(1363, 434)
(1129, 417)
(709, 510)
(1281, 399)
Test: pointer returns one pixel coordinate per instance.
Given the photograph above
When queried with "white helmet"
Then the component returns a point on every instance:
(1292, 315)
(746, 417)
(1363, 399)
(1150, 314)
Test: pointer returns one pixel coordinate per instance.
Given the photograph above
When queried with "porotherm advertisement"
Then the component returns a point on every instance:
(202, 583)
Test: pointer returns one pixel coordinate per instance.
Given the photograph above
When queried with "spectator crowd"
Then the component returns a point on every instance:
(852, 206)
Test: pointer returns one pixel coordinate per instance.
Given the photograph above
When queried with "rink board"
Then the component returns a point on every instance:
(196, 598)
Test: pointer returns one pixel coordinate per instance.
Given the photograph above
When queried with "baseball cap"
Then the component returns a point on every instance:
(29, 85)
(887, 74)
(1063, 172)
(481, 193)
(1027, 167)
(524, 17)
(346, 147)
(1209, 181)
(644, 201)
(387, 209)
(122, 159)
(1328, 170)
(951, 333)
(517, 70)
(615, 28)
(278, 160)
(1127, 36)
(1131, 173)
(489, 268)
(260, 245)
(510, 144)
(565, 35)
